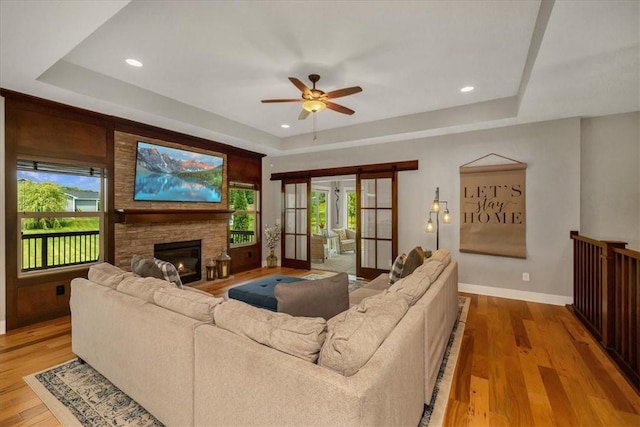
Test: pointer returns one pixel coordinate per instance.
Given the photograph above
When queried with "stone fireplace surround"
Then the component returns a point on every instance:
(140, 237)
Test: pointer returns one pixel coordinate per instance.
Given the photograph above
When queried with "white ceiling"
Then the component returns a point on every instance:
(207, 64)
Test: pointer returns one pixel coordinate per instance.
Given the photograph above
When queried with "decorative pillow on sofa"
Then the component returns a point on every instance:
(145, 267)
(298, 336)
(142, 287)
(415, 258)
(106, 274)
(341, 232)
(169, 272)
(314, 298)
(191, 304)
(355, 335)
(396, 270)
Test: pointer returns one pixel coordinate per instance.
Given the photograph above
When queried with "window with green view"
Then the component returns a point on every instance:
(244, 200)
(60, 212)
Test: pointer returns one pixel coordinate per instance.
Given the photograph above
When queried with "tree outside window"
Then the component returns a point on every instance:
(242, 227)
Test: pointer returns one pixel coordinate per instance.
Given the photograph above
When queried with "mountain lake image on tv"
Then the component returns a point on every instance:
(173, 175)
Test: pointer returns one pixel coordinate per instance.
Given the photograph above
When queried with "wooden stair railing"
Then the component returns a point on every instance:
(606, 298)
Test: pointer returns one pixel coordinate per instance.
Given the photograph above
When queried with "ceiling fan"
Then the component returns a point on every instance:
(314, 100)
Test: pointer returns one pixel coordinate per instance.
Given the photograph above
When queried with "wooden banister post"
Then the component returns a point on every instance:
(609, 292)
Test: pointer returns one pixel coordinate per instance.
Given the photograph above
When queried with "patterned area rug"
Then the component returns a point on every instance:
(79, 396)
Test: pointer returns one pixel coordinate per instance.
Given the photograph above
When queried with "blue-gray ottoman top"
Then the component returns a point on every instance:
(260, 293)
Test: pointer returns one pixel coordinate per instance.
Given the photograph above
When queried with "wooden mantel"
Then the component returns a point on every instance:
(142, 216)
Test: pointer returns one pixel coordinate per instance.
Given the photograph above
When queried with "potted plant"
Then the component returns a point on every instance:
(272, 237)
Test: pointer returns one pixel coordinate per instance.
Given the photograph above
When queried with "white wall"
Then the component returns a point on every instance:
(610, 184)
(552, 151)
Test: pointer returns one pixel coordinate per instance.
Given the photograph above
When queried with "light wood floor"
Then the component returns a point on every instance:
(520, 364)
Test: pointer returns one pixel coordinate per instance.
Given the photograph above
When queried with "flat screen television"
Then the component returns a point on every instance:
(164, 174)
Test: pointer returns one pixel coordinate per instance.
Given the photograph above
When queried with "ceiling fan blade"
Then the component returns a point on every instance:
(303, 88)
(343, 92)
(303, 114)
(281, 100)
(339, 108)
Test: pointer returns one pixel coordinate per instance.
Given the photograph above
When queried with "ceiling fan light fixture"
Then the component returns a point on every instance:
(313, 105)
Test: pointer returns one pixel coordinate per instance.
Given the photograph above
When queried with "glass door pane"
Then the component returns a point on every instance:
(378, 230)
(296, 224)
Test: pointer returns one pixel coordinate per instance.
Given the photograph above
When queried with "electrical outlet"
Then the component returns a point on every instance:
(60, 290)
(525, 277)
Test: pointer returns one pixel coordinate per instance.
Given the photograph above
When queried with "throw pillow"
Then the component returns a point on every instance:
(415, 258)
(396, 270)
(298, 336)
(142, 287)
(355, 335)
(191, 304)
(145, 267)
(106, 274)
(342, 234)
(169, 272)
(314, 298)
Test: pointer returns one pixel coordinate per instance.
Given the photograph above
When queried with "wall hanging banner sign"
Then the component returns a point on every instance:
(493, 210)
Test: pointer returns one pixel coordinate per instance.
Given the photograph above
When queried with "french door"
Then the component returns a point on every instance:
(377, 244)
(295, 219)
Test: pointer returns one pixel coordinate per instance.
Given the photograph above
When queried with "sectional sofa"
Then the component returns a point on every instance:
(192, 359)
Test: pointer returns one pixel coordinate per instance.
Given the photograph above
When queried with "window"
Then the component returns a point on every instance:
(244, 200)
(318, 211)
(351, 209)
(60, 215)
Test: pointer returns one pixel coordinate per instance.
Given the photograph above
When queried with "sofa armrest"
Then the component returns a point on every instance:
(241, 382)
(380, 283)
(440, 306)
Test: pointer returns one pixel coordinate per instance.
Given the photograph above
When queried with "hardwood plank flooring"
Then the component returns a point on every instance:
(535, 364)
(521, 363)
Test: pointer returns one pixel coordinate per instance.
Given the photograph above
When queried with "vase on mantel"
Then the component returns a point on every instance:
(272, 259)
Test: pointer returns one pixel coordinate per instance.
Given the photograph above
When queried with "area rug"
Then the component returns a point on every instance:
(79, 396)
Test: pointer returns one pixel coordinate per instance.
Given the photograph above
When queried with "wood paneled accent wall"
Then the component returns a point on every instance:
(41, 130)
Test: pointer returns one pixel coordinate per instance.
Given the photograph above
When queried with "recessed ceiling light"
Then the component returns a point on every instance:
(285, 126)
(133, 62)
(467, 89)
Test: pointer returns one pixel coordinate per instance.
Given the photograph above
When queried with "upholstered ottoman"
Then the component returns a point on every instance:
(260, 293)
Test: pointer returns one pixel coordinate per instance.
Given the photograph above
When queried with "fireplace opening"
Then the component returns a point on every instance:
(185, 256)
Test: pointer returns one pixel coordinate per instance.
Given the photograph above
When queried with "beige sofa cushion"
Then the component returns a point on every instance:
(314, 298)
(432, 268)
(106, 274)
(442, 255)
(355, 335)
(298, 336)
(191, 304)
(142, 287)
(412, 287)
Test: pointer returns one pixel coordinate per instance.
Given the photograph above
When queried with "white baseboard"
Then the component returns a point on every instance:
(515, 294)
(3, 327)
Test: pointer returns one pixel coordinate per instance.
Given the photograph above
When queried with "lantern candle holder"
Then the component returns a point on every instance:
(223, 265)
(211, 269)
